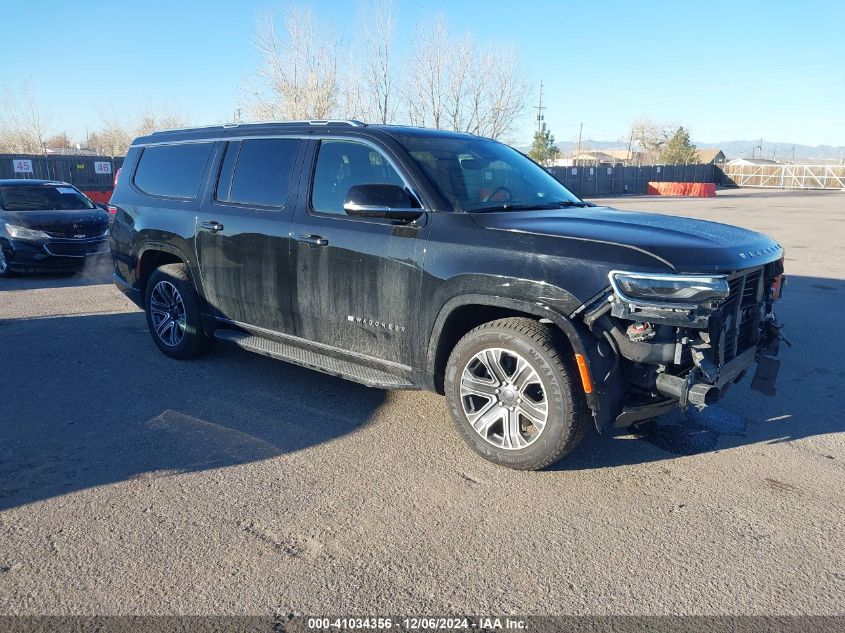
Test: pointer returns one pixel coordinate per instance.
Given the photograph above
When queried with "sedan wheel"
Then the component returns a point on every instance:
(5, 269)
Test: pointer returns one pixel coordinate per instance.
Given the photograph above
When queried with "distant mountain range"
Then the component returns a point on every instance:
(733, 149)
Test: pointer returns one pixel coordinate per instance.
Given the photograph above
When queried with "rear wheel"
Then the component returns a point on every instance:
(173, 313)
(511, 394)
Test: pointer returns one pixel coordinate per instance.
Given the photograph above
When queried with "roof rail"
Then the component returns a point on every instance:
(351, 122)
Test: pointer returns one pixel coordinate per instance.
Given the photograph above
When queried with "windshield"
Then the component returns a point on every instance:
(43, 198)
(476, 174)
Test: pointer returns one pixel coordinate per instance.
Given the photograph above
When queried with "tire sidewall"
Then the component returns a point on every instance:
(194, 334)
(560, 418)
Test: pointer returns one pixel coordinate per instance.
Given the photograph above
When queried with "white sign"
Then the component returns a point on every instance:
(22, 166)
(102, 167)
(658, 169)
(609, 170)
(591, 171)
(574, 171)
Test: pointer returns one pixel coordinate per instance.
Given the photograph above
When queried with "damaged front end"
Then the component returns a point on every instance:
(683, 340)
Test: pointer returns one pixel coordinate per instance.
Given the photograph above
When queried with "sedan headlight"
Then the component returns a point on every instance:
(669, 290)
(23, 233)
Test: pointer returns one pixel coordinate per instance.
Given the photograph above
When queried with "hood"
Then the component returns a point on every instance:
(58, 223)
(686, 245)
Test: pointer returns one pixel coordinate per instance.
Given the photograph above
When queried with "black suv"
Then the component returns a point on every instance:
(408, 258)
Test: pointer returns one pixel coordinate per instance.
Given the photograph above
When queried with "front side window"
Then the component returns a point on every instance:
(174, 171)
(476, 174)
(257, 172)
(43, 198)
(345, 164)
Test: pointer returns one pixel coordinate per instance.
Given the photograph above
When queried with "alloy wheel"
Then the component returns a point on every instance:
(168, 313)
(504, 398)
(3, 263)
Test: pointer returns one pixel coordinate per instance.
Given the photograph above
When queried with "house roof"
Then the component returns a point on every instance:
(623, 154)
(752, 161)
(602, 157)
(708, 155)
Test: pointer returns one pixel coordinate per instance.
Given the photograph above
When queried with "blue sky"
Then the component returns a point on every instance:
(727, 70)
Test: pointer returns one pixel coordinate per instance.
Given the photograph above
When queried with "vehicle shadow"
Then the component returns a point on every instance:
(808, 402)
(93, 273)
(89, 401)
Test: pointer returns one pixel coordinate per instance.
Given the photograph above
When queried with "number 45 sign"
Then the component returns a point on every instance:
(22, 166)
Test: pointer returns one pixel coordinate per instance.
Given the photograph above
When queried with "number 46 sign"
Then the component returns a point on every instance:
(22, 166)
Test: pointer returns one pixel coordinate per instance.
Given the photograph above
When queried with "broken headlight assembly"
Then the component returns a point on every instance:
(668, 291)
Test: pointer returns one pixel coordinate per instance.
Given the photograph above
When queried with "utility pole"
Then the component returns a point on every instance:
(580, 129)
(540, 107)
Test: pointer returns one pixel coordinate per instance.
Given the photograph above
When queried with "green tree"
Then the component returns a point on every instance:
(543, 150)
(678, 150)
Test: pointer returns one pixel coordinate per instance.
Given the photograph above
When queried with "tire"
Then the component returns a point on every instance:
(173, 313)
(5, 268)
(521, 358)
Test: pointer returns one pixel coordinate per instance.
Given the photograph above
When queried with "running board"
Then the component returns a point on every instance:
(314, 360)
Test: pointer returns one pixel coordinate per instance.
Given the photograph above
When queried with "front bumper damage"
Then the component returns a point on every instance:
(669, 358)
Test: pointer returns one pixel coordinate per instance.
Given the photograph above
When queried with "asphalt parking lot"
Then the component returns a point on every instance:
(134, 484)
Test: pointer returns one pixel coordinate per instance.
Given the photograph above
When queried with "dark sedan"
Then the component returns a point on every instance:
(47, 225)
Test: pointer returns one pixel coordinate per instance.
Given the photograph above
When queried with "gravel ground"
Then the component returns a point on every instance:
(134, 484)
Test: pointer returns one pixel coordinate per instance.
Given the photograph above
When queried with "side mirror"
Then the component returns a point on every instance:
(382, 201)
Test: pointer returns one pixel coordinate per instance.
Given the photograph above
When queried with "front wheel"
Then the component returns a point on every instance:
(173, 313)
(5, 268)
(512, 396)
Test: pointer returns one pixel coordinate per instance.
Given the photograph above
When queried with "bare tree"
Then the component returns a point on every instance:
(429, 68)
(499, 95)
(461, 84)
(649, 138)
(23, 126)
(299, 68)
(116, 134)
(376, 53)
(448, 83)
(455, 85)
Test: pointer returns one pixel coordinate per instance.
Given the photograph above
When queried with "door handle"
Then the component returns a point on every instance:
(316, 240)
(212, 226)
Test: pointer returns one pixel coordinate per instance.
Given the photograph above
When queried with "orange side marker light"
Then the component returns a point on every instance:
(585, 373)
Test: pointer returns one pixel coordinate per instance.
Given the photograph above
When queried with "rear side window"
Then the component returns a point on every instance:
(174, 171)
(257, 172)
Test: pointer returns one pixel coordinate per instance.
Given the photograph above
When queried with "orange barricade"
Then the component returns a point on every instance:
(689, 189)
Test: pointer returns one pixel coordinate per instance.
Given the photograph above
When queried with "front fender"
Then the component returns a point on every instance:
(605, 399)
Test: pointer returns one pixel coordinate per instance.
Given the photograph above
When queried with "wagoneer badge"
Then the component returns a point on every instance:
(375, 323)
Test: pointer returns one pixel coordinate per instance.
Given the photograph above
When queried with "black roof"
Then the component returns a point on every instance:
(12, 182)
(241, 129)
